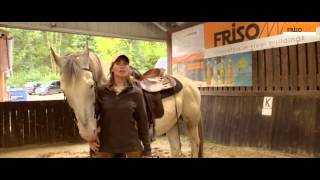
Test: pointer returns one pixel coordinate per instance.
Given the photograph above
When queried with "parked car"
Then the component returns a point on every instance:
(18, 94)
(31, 87)
(51, 87)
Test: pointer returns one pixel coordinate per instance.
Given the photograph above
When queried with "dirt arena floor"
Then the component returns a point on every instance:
(160, 148)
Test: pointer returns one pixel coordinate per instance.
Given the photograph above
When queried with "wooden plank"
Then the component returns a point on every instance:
(318, 65)
(32, 116)
(276, 105)
(316, 136)
(214, 118)
(58, 126)
(204, 115)
(312, 66)
(1, 125)
(59, 121)
(261, 71)
(235, 121)
(284, 80)
(286, 125)
(41, 123)
(300, 125)
(226, 124)
(13, 127)
(276, 130)
(227, 132)
(294, 134)
(255, 72)
(246, 119)
(244, 103)
(51, 121)
(210, 115)
(169, 53)
(269, 69)
(46, 135)
(221, 120)
(255, 139)
(20, 118)
(253, 119)
(26, 126)
(276, 68)
(16, 125)
(6, 125)
(310, 115)
(293, 62)
(218, 119)
(68, 124)
(229, 101)
(302, 67)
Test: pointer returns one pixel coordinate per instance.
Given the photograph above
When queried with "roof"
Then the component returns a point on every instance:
(155, 31)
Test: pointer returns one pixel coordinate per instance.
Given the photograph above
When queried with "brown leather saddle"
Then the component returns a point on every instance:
(156, 86)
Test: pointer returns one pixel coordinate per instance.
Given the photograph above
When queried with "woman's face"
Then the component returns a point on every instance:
(121, 69)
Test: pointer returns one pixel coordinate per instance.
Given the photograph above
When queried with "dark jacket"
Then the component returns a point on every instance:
(124, 124)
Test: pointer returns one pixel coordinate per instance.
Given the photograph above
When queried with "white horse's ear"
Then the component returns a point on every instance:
(57, 59)
(85, 55)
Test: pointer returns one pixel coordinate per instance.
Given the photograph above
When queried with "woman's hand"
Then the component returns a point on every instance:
(94, 145)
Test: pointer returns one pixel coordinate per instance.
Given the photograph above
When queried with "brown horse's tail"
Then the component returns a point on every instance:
(200, 155)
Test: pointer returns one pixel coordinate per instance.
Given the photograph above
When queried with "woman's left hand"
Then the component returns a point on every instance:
(94, 145)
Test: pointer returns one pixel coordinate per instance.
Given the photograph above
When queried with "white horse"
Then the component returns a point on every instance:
(81, 72)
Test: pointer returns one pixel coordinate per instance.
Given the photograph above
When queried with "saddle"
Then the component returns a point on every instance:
(156, 86)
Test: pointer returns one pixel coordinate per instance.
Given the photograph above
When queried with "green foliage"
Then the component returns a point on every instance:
(32, 61)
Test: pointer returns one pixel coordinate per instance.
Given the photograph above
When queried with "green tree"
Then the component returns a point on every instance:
(33, 62)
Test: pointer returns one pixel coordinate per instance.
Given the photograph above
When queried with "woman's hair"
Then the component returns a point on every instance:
(111, 81)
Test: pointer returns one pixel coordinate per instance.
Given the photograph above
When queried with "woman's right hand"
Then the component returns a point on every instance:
(94, 145)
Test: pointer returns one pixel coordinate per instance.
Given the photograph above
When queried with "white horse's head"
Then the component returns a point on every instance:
(78, 81)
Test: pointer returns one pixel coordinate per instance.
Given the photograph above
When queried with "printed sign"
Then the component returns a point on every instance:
(267, 106)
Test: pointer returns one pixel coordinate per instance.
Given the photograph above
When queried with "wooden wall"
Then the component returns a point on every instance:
(232, 115)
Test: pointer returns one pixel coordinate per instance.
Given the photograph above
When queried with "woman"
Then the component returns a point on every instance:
(124, 124)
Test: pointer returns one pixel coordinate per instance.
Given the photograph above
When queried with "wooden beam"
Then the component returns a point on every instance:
(188, 25)
(169, 53)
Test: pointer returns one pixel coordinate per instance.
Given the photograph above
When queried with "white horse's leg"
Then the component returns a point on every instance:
(174, 141)
(191, 114)
(194, 138)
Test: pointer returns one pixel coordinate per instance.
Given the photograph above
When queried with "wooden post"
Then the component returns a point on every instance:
(261, 71)
(269, 69)
(293, 77)
(302, 67)
(276, 68)
(169, 53)
(284, 80)
(312, 66)
(255, 70)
